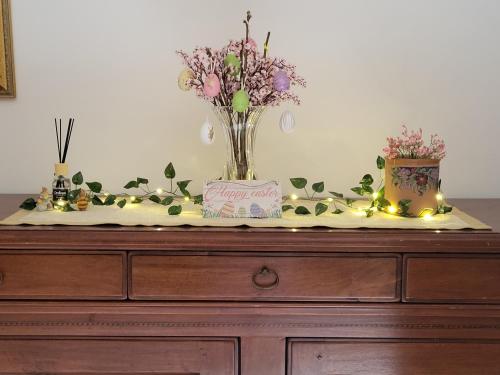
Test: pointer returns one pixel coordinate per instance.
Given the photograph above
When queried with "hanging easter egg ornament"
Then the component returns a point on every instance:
(207, 134)
(211, 86)
(240, 101)
(183, 79)
(233, 63)
(287, 122)
(281, 82)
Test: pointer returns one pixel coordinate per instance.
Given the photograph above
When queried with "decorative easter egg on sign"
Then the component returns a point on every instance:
(211, 86)
(232, 61)
(240, 101)
(183, 79)
(207, 133)
(281, 82)
(287, 122)
(227, 210)
(242, 212)
(257, 211)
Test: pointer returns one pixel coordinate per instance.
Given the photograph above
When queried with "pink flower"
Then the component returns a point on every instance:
(411, 145)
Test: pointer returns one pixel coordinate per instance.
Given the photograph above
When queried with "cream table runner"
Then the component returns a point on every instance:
(150, 214)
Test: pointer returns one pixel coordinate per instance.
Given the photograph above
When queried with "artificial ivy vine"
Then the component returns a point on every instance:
(177, 192)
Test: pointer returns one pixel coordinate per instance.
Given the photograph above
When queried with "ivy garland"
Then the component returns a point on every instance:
(177, 192)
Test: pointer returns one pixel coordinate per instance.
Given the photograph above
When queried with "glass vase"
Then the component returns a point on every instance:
(240, 131)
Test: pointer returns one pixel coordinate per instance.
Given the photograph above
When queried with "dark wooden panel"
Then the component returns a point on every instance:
(308, 278)
(176, 356)
(465, 279)
(328, 357)
(62, 276)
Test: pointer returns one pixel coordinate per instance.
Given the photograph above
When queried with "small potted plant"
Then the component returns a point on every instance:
(412, 173)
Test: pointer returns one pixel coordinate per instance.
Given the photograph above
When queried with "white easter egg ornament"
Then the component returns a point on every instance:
(207, 134)
(287, 122)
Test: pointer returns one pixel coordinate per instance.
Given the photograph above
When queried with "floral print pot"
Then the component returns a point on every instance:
(413, 179)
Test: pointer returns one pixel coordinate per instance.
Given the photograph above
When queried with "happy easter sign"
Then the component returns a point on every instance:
(242, 199)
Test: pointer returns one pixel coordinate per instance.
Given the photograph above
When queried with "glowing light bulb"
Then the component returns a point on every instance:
(439, 197)
(427, 217)
(392, 209)
(294, 197)
(375, 195)
(330, 199)
(186, 199)
(132, 198)
(159, 191)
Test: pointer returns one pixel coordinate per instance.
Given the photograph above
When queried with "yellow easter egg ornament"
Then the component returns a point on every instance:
(183, 79)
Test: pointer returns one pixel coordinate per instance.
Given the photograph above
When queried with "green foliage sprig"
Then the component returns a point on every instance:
(166, 197)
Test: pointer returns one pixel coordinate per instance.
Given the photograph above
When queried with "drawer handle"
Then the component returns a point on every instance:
(264, 271)
(1, 278)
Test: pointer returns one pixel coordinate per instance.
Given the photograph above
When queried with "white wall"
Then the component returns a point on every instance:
(370, 66)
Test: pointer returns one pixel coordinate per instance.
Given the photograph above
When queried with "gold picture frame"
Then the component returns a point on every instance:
(7, 82)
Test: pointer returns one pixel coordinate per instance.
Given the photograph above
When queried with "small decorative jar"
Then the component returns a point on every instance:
(416, 180)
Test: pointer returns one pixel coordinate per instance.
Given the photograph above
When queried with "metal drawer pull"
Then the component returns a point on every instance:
(264, 271)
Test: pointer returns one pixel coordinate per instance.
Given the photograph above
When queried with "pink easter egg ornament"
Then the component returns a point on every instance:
(211, 86)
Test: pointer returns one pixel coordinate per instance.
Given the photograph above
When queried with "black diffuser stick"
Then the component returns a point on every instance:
(68, 138)
(58, 141)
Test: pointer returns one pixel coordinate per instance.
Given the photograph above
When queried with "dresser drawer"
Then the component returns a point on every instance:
(108, 356)
(392, 357)
(62, 276)
(291, 278)
(453, 278)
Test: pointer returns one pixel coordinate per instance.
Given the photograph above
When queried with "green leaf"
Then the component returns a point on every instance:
(286, 207)
(380, 162)
(358, 190)
(182, 187)
(96, 201)
(77, 178)
(141, 180)
(122, 203)
(131, 184)
(298, 182)
(369, 213)
(337, 195)
(73, 195)
(29, 204)
(367, 189)
(366, 180)
(318, 187)
(174, 210)
(67, 208)
(349, 202)
(445, 209)
(383, 203)
(338, 211)
(167, 201)
(155, 198)
(301, 210)
(198, 199)
(404, 203)
(136, 201)
(110, 200)
(170, 171)
(320, 208)
(94, 187)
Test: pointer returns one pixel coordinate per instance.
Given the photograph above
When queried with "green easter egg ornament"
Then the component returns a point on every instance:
(232, 60)
(240, 101)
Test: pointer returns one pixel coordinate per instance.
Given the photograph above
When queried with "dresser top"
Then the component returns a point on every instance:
(112, 237)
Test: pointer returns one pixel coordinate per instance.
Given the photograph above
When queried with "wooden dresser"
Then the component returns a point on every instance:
(113, 300)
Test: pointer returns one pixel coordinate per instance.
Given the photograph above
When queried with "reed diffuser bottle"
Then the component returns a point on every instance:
(61, 185)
